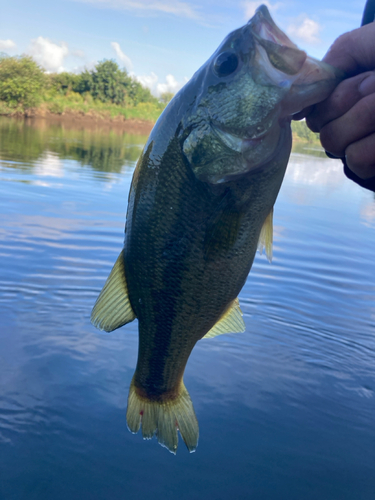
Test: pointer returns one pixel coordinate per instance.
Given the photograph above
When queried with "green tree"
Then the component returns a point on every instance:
(85, 82)
(21, 81)
(303, 132)
(137, 93)
(65, 82)
(166, 97)
(109, 83)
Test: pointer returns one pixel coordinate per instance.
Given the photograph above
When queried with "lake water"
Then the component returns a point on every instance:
(286, 410)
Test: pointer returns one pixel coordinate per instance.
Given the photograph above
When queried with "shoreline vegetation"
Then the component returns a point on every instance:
(105, 95)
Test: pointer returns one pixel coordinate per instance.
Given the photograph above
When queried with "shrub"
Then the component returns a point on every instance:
(166, 97)
(107, 82)
(64, 82)
(21, 81)
(110, 84)
(303, 132)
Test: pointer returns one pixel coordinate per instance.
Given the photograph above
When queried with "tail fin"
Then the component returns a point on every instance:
(164, 419)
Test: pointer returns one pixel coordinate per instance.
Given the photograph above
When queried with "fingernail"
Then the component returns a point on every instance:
(367, 85)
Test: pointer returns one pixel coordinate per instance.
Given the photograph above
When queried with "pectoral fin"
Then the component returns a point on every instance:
(266, 236)
(112, 308)
(230, 322)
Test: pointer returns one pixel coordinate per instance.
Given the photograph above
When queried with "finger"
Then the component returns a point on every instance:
(344, 97)
(354, 52)
(360, 157)
(302, 114)
(354, 125)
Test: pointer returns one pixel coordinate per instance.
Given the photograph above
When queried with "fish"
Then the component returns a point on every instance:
(200, 205)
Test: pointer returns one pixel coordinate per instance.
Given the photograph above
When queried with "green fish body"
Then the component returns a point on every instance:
(200, 204)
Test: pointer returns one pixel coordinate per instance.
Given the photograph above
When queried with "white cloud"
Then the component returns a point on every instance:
(251, 7)
(177, 8)
(305, 29)
(123, 57)
(48, 54)
(171, 85)
(7, 44)
(152, 82)
(149, 81)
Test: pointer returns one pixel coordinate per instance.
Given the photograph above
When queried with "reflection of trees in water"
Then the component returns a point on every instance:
(20, 143)
(307, 148)
(104, 150)
(107, 157)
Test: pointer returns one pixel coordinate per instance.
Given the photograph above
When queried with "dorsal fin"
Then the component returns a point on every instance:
(266, 236)
(112, 308)
(230, 322)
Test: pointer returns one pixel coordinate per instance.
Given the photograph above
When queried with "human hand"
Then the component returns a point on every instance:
(346, 120)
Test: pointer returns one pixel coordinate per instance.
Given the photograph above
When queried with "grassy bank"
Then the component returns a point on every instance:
(106, 92)
(75, 106)
(73, 103)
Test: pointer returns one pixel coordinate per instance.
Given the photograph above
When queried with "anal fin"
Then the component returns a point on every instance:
(230, 322)
(112, 308)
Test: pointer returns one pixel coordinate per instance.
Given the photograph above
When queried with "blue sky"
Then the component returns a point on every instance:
(161, 42)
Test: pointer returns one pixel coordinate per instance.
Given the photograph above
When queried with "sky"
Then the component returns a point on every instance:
(159, 42)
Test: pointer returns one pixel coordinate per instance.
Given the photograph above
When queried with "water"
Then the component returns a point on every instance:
(286, 409)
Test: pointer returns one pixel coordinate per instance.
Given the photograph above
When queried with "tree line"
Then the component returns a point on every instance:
(23, 83)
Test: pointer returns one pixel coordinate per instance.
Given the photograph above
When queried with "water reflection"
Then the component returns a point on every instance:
(368, 212)
(38, 142)
(307, 148)
(286, 409)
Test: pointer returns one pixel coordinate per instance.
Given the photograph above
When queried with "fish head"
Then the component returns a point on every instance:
(244, 97)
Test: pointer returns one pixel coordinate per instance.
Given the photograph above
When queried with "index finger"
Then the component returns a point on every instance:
(354, 52)
(344, 97)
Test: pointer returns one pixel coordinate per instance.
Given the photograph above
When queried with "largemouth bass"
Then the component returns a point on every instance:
(200, 204)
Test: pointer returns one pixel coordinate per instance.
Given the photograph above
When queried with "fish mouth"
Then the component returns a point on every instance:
(264, 27)
(240, 140)
(238, 143)
(282, 54)
(254, 150)
(286, 66)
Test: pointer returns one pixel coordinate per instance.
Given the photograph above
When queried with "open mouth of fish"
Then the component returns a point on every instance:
(265, 140)
(277, 55)
(288, 66)
(254, 151)
(237, 143)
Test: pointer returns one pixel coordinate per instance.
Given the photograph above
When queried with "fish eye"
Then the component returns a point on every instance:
(225, 63)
